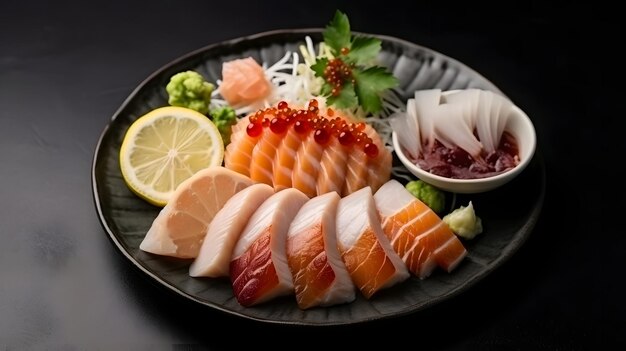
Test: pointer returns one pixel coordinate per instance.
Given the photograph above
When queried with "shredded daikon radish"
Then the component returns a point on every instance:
(402, 172)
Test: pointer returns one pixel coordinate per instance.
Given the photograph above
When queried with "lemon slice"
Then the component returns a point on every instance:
(166, 146)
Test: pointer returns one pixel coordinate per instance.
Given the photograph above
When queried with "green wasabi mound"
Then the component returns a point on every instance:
(224, 118)
(428, 194)
(464, 222)
(189, 89)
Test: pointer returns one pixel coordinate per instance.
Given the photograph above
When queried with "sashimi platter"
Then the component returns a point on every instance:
(258, 177)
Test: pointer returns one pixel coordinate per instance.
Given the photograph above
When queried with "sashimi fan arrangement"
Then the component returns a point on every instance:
(280, 177)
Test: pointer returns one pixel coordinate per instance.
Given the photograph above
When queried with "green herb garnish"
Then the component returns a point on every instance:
(350, 78)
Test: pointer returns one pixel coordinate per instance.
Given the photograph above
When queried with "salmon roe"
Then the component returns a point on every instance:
(337, 72)
(303, 121)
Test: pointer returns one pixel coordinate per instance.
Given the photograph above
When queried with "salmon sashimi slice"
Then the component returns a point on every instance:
(263, 155)
(362, 170)
(356, 173)
(223, 232)
(307, 166)
(238, 153)
(243, 82)
(371, 261)
(379, 170)
(180, 227)
(416, 232)
(450, 254)
(285, 159)
(319, 275)
(332, 172)
(258, 268)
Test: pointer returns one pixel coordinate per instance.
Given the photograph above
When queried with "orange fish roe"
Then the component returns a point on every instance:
(337, 72)
(281, 117)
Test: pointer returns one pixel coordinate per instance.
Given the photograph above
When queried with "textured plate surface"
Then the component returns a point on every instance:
(508, 214)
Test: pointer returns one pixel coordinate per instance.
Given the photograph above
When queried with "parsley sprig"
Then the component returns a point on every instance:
(366, 82)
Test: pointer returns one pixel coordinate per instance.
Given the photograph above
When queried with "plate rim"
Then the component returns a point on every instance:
(504, 256)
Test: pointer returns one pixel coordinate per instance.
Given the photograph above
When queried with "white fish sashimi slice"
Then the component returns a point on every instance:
(277, 211)
(352, 217)
(258, 269)
(223, 232)
(181, 225)
(343, 289)
(452, 130)
(319, 274)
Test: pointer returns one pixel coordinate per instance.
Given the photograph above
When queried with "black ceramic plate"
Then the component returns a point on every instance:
(126, 218)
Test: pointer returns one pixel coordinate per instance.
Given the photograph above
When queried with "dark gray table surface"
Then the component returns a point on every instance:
(65, 67)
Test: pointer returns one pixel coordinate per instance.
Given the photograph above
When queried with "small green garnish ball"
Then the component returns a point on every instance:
(428, 194)
(189, 89)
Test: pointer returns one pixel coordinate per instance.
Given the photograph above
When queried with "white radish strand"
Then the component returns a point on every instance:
(496, 105)
(504, 113)
(483, 122)
(406, 127)
(407, 139)
(469, 99)
(412, 127)
(426, 101)
(452, 130)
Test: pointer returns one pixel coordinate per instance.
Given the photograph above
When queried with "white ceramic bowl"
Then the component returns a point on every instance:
(519, 125)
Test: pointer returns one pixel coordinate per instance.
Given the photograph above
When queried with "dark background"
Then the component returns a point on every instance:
(66, 67)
